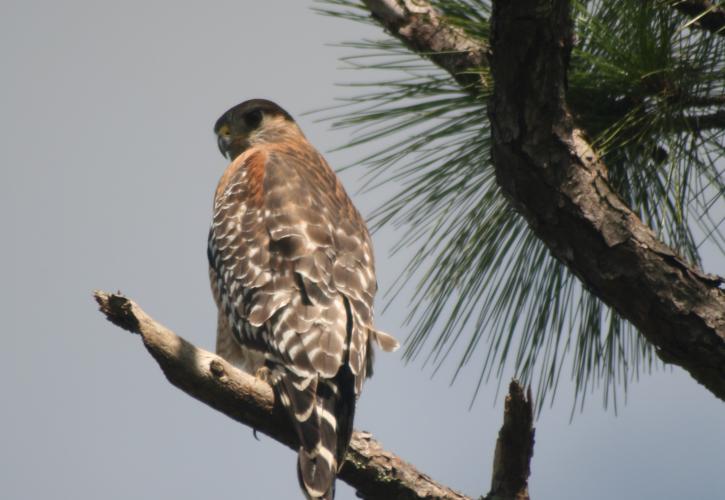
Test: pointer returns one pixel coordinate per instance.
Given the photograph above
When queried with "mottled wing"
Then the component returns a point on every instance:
(316, 231)
(293, 260)
(238, 250)
(295, 277)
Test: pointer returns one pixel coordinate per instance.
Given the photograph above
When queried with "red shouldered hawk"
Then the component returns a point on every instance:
(291, 268)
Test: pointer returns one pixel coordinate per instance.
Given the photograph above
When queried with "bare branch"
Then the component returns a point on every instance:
(514, 447)
(555, 180)
(372, 471)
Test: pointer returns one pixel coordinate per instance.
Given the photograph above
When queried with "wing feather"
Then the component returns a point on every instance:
(292, 267)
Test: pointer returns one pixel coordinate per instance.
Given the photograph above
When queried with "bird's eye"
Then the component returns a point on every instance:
(253, 118)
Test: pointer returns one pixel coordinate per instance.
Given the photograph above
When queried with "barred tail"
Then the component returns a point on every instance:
(322, 411)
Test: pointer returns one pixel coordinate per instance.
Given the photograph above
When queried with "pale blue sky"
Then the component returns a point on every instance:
(107, 168)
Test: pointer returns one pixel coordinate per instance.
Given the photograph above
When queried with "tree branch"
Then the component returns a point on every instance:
(514, 447)
(372, 471)
(555, 180)
(419, 26)
(706, 13)
(423, 30)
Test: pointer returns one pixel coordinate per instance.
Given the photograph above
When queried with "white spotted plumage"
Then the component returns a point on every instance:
(292, 271)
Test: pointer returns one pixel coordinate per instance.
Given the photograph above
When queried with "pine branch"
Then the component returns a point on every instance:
(704, 101)
(555, 180)
(372, 471)
(707, 14)
(709, 121)
(419, 26)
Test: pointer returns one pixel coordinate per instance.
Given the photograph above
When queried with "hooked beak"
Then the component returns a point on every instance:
(223, 142)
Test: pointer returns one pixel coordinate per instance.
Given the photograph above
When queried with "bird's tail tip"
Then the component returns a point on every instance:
(387, 342)
(316, 474)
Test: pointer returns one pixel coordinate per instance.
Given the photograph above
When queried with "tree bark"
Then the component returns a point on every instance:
(514, 447)
(424, 31)
(372, 471)
(555, 180)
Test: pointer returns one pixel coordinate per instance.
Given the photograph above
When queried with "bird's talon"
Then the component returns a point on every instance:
(263, 373)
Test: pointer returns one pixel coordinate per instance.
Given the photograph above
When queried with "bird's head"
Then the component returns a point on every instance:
(250, 122)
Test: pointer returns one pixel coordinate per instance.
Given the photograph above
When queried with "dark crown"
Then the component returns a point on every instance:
(240, 111)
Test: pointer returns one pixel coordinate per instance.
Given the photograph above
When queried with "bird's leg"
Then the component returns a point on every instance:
(264, 374)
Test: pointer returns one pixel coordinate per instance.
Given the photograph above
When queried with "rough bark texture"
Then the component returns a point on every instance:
(710, 15)
(418, 25)
(555, 180)
(372, 471)
(514, 448)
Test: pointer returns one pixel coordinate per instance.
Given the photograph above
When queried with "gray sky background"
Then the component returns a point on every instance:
(107, 168)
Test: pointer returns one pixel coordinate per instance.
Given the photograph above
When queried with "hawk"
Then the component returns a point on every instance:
(292, 272)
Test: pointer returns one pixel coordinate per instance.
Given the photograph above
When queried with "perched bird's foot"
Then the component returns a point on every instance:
(264, 374)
